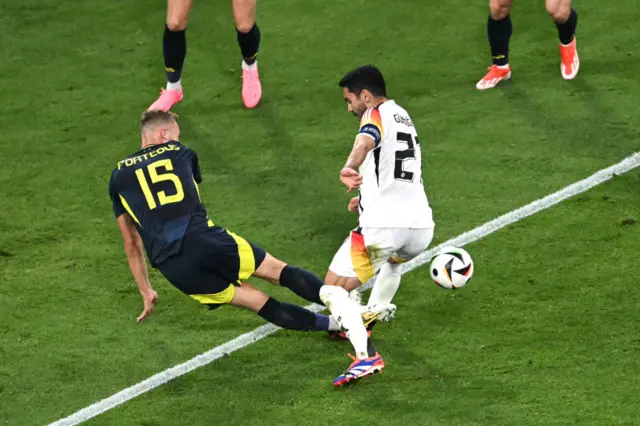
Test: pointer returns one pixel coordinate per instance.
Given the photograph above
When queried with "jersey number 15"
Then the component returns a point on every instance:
(156, 177)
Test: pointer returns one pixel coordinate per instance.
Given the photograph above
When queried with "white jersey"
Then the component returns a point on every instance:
(392, 194)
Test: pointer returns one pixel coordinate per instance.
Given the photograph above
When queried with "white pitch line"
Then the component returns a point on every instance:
(261, 332)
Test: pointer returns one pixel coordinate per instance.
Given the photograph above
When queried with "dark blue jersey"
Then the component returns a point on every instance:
(158, 188)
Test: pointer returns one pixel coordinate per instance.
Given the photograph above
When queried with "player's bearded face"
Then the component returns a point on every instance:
(355, 104)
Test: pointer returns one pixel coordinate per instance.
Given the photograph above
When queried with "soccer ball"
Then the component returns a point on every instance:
(451, 268)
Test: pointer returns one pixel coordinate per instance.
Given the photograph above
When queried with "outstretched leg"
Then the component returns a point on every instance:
(285, 315)
(303, 283)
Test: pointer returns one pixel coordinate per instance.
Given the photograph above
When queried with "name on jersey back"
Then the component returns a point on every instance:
(403, 120)
(140, 158)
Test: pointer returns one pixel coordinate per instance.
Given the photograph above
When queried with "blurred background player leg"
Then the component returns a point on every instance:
(566, 20)
(244, 15)
(499, 32)
(174, 49)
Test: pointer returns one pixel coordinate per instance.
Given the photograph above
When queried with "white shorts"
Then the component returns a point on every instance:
(366, 249)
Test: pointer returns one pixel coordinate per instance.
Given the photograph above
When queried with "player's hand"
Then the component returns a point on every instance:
(149, 299)
(350, 178)
(353, 204)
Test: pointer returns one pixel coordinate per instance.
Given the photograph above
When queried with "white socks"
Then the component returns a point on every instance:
(333, 324)
(347, 314)
(252, 67)
(386, 285)
(174, 86)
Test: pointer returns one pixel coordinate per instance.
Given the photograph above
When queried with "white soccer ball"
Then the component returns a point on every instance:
(451, 268)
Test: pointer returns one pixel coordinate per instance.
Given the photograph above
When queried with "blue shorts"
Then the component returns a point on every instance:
(211, 264)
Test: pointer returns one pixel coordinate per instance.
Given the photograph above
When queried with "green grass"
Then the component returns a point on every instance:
(545, 340)
(543, 335)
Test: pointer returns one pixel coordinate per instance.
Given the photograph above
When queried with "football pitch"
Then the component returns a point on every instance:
(544, 334)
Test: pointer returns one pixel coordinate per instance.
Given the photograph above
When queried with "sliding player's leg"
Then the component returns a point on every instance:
(303, 283)
(209, 267)
(285, 315)
(241, 259)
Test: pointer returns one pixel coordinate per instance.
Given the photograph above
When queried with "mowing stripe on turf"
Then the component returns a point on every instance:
(261, 332)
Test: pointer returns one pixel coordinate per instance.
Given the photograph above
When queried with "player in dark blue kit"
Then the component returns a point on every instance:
(156, 201)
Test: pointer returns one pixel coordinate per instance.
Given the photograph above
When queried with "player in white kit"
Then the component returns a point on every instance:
(395, 220)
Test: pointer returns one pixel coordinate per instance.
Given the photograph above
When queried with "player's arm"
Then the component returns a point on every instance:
(195, 165)
(353, 204)
(349, 174)
(361, 148)
(137, 263)
(369, 137)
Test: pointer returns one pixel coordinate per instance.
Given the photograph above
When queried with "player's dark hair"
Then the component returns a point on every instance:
(153, 117)
(365, 77)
